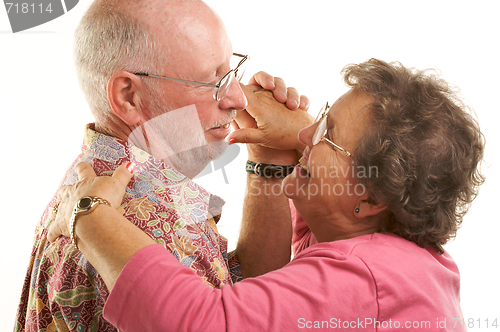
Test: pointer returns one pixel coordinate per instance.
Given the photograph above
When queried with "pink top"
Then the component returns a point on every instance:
(373, 282)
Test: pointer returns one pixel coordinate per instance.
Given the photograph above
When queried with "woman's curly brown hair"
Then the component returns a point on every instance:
(426, 146)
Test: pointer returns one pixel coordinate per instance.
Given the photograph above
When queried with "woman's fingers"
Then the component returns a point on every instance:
(110, 188)
(84, 171)
(123, 174)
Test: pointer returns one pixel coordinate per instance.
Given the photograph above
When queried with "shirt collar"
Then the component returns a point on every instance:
(116, 151)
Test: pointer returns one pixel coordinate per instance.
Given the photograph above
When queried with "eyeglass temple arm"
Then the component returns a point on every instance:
(176, 79)
(245, 57)
(344, 151)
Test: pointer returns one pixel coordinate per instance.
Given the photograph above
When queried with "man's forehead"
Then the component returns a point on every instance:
(191, 38)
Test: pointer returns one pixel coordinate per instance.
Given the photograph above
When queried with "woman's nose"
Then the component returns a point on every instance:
(234, 98)
(306, 135)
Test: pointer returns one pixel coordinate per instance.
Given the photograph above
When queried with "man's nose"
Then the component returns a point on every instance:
(235, 98)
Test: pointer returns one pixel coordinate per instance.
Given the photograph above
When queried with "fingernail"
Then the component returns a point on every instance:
(131, 167)
(271, 83)
(232, 141)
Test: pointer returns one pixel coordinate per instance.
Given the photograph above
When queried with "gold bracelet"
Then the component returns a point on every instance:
(85, 205)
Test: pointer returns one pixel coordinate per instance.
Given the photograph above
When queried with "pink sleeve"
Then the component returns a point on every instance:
(302, 237)
(154, 293)
(155, 280)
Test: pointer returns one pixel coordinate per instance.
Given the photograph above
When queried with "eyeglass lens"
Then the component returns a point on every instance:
(236, 73)
(224, 86)
(320, 130)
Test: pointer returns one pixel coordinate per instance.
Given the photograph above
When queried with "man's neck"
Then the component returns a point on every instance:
(110, 130)
(128, 137)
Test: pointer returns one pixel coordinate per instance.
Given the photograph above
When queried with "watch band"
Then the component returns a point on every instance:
(268, 170)
(85, 205)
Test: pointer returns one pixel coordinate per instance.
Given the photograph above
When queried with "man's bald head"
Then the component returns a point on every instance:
(137, 35)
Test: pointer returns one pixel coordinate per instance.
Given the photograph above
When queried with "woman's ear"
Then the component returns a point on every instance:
(367, 209)
(124, 96)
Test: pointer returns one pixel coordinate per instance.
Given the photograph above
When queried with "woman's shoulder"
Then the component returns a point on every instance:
(385, 254)
(404, 275)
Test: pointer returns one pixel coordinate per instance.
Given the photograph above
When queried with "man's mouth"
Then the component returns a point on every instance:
(226, 126)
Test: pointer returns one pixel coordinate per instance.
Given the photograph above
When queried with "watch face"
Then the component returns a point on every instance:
(85, 203)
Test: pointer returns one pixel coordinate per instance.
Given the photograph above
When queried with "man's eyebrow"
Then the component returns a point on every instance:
(215, 74)
(208, 77)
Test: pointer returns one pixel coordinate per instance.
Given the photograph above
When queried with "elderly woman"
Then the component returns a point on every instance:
(388, 173)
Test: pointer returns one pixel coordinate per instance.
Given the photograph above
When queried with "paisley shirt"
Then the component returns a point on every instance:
(63, 292)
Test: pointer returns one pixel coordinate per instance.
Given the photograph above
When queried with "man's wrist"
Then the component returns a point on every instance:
(268, 170)
(265, 155)
(264, 186)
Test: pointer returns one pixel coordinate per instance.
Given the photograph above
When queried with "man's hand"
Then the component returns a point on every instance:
(270, 125)
(288, 96)
(268, 122)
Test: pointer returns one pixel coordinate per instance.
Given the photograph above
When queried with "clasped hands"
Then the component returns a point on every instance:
(272, 120)
(270, 125)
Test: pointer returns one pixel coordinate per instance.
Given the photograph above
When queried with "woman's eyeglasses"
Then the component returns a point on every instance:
(322, 131)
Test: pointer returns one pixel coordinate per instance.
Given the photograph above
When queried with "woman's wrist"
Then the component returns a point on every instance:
(108, 240)
(86, 225)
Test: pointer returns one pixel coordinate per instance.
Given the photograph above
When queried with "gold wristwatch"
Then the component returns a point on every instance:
(85, 205)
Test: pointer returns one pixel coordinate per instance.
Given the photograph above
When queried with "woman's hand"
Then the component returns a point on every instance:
(271, 122)
(110, 188)
(106, 238)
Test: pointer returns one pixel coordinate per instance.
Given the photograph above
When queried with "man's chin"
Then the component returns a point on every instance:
(217, 149)
(190, 162)
(193, 161)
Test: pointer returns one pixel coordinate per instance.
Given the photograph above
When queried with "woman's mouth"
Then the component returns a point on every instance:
(303, 166)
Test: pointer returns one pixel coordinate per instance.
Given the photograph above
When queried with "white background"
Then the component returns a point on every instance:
(306, 42)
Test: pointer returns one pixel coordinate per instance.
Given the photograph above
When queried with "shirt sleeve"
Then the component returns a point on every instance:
(176, 300)
(154, 292)
(233, 264)
(62, 291)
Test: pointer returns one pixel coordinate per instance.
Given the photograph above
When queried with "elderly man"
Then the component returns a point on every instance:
(157, 77)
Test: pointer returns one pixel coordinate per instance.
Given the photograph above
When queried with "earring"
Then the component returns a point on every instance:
(357, 210)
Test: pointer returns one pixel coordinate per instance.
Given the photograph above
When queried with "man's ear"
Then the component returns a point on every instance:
(124, 96)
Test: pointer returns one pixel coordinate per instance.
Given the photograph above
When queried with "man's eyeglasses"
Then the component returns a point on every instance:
(322, 131)
(221, 88)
